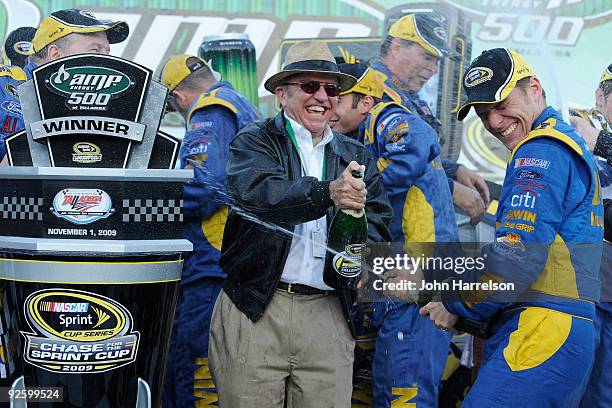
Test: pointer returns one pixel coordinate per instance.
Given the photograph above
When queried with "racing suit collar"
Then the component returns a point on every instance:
(220, 84)
(393, 81)
(31, 66)
(547, 113)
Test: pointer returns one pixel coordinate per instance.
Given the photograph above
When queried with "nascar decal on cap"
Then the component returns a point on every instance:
(477, 75)
(89, 88)
(440, 32)
(77, 332)
(22, 47)
(87, 14)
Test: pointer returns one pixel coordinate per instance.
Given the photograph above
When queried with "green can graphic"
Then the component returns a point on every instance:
(233, 56)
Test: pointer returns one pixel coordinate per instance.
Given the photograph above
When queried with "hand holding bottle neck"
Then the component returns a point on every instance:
(348, 191)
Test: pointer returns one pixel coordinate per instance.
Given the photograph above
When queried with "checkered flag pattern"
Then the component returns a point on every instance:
(21, 208)
(152, 210)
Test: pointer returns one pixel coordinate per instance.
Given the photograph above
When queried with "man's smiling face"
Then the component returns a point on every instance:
(511, 119)
(312, 111)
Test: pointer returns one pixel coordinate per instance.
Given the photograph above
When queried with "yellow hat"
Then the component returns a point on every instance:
(61, 23)
(607, 74)
(179, 67)
(424, 30)
(491, 77)
(369, 82)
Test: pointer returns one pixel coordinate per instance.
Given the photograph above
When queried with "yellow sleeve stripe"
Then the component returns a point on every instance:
(382, 164)
(14, 72)
(209, 100)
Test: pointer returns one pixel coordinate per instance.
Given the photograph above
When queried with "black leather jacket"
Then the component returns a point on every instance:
(264, 178)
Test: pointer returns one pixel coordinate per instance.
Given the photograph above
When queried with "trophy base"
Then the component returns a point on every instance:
(143, 399)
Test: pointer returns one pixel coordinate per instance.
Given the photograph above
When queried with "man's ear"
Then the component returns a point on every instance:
(600, 100)
(365, 104)
(535, 88)
(53, 52)
(181, 100)
(281, 95)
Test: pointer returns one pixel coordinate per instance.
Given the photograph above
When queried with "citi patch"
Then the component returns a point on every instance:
(526, 199)
(531, 162)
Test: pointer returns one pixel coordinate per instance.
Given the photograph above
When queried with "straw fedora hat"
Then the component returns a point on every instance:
(309, 57)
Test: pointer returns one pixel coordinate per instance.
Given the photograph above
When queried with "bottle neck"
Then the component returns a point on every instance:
(353, 213)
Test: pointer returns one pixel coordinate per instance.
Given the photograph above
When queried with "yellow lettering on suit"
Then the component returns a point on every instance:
(203, 384)
(405, 395)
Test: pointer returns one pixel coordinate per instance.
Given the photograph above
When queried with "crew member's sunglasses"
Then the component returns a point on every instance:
(312, 87)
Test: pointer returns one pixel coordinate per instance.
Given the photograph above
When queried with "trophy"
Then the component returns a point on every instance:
(90, 236)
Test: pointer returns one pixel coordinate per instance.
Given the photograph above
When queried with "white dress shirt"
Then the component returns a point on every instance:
(301, 265)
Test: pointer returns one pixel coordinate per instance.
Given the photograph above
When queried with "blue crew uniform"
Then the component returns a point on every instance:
(548, 243)
(11, 117)
(414, 103)
(212, 122)
(410, 352)
(597, 393)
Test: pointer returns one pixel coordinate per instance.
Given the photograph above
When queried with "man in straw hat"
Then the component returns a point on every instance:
(548, 245)
(214, 112)
(62, 33)
(279, 335)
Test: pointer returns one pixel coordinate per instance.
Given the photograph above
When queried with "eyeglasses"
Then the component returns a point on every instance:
(312, 87)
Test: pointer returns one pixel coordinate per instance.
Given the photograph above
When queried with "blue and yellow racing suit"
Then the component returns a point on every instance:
(597, 393)
(414, 103)
(410, 353)
(213, 120)
(548, 244)
(11, 117)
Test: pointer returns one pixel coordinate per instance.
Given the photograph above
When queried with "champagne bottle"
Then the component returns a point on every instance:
(482, 329)
(347, 236)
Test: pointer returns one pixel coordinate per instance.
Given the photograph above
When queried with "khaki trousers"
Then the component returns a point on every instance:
(299, 354)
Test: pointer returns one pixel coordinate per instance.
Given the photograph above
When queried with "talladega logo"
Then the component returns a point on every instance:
(78, 332)
(82, 206)
(89, 88)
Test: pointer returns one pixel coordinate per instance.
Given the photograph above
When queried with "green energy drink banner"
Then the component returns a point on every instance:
(233, 55)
